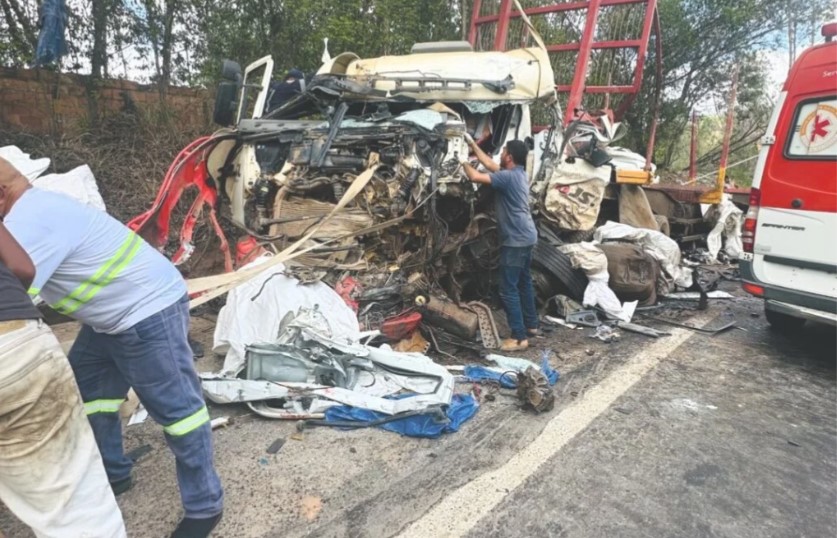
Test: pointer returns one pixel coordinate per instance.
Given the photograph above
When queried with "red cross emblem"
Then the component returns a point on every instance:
(819, 127)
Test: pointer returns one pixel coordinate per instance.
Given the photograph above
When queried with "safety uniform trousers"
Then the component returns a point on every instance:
(155, 359)
(51, 474)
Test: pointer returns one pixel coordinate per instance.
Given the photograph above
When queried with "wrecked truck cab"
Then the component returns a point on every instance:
(283, 170)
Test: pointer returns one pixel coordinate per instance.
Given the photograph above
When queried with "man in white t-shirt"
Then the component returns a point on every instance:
(135, 313)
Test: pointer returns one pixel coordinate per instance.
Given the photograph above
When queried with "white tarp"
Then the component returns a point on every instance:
(661, 248)
(625, 159)
(727, 219)
(78, 183)
(255, 308)
(592, 260)
(31, 168)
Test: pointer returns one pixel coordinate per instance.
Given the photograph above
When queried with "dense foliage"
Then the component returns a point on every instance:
(184, 41)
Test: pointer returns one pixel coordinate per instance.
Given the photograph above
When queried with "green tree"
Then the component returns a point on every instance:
(702, 40)
(293, 32)
(18, 34)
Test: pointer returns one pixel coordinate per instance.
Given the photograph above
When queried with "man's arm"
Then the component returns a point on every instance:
(15, 258)
(45, 241)
(475, 175)
(487, 162)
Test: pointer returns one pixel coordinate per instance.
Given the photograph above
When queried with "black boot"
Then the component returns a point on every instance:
(196, 528)
(121, 486)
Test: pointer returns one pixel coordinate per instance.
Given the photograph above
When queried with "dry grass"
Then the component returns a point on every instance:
(129, 155)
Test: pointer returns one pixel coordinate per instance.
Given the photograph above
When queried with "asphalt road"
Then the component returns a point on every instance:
(687, 435)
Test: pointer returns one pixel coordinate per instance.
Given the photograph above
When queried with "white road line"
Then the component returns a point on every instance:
(461, 510)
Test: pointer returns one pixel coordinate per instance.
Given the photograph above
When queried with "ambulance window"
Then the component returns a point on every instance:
(814, 134)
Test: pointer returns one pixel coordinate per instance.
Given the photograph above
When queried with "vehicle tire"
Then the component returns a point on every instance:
(783, 322)
(554, 262)
(576, 236)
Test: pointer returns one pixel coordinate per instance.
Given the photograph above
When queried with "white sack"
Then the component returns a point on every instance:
(625, 159)
(31, 168)
(592, 260)
(79, 183)
(727, 218)
(661, 248)
(245, 321)
(574, 194)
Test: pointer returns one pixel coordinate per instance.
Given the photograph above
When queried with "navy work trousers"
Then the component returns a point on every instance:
(153, 357)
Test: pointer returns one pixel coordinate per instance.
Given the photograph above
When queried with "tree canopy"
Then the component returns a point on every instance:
(184, 41)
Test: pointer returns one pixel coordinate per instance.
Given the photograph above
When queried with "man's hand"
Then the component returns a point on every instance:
(486, 161)
(473, 174)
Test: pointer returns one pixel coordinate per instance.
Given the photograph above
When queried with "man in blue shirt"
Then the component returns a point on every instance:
(518, 236)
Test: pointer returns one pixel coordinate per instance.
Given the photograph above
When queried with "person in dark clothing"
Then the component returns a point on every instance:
(518, 236)
(281, 92)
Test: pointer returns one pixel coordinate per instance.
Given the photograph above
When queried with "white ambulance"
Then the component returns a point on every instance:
(790, 231)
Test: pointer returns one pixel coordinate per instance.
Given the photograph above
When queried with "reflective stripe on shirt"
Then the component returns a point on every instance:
(106, 273)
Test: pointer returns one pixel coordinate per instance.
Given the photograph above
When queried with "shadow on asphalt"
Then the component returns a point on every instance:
(814, 346)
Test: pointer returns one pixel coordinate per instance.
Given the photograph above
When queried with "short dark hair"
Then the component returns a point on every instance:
(518, 151)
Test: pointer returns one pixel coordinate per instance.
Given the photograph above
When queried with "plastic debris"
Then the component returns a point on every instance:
(348, 289)
(551, 375)
(275, 446)
(509, 369)
(605, 333)
(562, 322)
(139, 416)
(219, 422)
(510, 363)
(52, 21)
(255, 309)
(694, 295)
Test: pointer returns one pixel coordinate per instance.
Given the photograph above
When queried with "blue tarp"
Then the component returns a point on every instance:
(53, 21)
(508, 380)
(479, 374)
(462, 407)
(551, 375)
